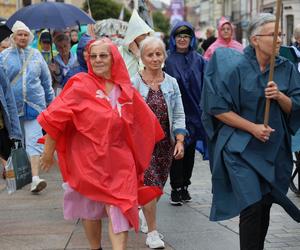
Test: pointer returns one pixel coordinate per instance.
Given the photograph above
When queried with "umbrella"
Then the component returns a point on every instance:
(115, 29)
(4, 31)
(51, 15)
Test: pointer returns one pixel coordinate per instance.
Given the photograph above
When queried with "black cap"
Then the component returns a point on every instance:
(184, 30)
(45, 37)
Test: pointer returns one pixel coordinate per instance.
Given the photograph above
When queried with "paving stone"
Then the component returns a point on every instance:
(275, 244)
(36, 222)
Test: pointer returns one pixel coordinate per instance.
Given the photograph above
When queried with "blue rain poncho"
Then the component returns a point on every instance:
(188, 69)
(244, 168)
(82, 66)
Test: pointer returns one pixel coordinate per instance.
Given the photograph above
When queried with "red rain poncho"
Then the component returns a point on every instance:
(103, 152)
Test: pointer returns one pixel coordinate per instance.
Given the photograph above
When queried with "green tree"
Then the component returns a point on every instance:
(104, 9)
(161, 22)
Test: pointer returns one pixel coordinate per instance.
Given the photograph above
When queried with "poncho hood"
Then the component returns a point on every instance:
(136, 27)
(173, 32)
(220, 42)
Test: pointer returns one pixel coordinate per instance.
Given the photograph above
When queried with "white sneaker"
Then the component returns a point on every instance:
(144, 226)
(38, 185)
(153, 240)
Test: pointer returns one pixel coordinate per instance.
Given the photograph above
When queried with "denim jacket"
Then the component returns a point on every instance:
(9, 109)
(34, 85)
(171, 92)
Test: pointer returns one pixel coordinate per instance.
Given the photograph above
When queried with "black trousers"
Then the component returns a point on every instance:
(181, 170)
(5, 144)
(254, 223)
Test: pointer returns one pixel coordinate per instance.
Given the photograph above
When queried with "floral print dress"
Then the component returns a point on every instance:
(158, 171)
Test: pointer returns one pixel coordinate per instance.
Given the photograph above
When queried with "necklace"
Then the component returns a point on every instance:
(154, 81)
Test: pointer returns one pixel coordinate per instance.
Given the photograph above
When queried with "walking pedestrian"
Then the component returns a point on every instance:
(104, 135)
(45, 46)
(74, 39)
(187, 67)
(82, 56)
(4, 44)
(136, 32)
(63, 62)
(210, 38)
(10, 129)
(251, 163)
(162, 94)
(296, 44)
(225, 39)
(30, 79)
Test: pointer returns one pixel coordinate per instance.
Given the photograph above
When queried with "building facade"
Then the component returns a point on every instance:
(207, 13)
(7, 8)
(290, 15)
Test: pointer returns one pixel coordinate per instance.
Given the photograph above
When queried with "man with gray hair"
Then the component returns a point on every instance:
(210, 38)
(296, 44)
(251, 162)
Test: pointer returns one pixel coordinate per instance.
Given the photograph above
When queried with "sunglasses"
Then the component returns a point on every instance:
(102, 56)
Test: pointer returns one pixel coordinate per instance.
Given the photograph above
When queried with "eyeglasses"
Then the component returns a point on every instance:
(272, 34)
(102, 56)
(182, 36)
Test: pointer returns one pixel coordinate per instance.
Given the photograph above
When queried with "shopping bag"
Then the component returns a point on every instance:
(22, 167)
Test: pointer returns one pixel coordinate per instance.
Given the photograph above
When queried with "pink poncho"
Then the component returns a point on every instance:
(220, 42)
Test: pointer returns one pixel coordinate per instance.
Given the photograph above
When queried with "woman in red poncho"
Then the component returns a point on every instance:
(104, 135)
(225, 39)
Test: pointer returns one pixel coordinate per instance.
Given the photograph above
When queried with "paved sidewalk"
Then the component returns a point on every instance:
(36, 222)
(283, 233)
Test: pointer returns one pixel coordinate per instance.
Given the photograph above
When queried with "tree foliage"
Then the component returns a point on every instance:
(104, 9)
(161, 22)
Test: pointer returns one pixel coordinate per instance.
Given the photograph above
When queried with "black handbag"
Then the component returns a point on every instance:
(22, 167)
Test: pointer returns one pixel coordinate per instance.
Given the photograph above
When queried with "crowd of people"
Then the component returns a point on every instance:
(124, 118)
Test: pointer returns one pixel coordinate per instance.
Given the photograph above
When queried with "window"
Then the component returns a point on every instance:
(26, 2)
(289, 28)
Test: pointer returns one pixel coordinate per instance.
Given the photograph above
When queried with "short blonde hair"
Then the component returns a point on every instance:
(152, 41)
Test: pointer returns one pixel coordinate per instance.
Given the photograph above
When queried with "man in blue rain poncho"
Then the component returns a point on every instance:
(251, 164)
